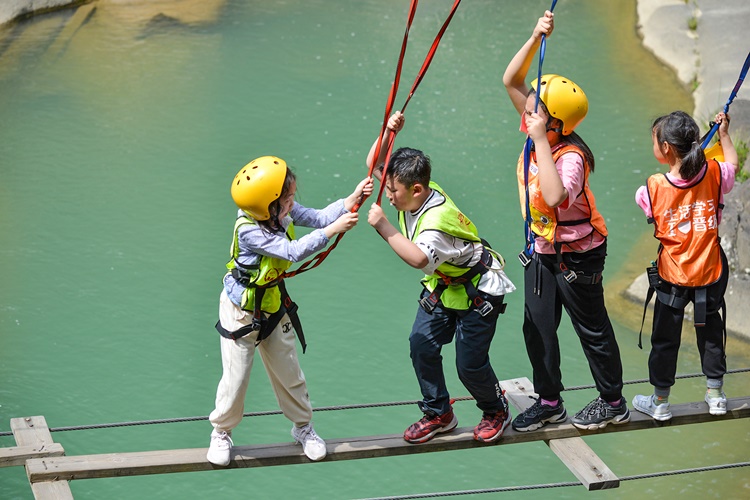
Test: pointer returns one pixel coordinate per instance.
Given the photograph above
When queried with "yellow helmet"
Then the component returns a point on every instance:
(258, 184)
(564, 99)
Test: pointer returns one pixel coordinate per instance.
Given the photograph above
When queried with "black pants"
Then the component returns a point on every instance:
(667, 331)
(546, 293)
(473, 335)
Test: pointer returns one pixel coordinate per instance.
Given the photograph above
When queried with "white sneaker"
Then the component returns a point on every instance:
(220, 449)
(717, 406)
(312, 444)
(645, 404)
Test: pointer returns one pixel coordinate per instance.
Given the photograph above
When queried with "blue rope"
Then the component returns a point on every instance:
(528, 233)
(732, 95)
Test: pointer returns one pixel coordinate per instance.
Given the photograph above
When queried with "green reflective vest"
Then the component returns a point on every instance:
(448, 219)
(263, 275)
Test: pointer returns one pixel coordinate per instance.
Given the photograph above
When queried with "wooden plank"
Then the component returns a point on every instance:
(30, 431)
(19, 454)
(34, 432)
(52, 490)
(584, 463)
(187, 460)
(577, 456)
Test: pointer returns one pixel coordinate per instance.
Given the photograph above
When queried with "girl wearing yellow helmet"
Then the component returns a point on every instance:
(569, 242)
(255, 311)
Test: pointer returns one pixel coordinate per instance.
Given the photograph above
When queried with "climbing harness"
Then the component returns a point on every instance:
(257, 280)
(316, 260)
(695, 277)
(528, 251)
(482, 306)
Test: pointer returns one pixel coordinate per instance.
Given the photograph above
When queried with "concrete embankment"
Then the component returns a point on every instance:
(706, 43)
(12, 9)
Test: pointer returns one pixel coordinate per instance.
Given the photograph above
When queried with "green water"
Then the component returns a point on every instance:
(118, 141)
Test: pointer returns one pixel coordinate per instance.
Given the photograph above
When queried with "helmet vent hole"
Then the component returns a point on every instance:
(247, 177)
(255, 166)
(574, 90)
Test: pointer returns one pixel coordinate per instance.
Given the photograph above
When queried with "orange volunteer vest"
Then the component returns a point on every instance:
(545, 219)
(686, 224)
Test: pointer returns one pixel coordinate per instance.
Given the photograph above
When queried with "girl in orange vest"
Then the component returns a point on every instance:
(684, 205)
(570, 246)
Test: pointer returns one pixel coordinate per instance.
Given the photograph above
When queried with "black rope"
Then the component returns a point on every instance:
(322, 408)
(506, 489)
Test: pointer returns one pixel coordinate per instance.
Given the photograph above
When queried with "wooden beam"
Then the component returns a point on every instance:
(33, 432)
(19, 454)
(577, 456)
(187, 460)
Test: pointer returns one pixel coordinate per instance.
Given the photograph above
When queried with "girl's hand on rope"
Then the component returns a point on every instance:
(544, 26)
(363, 190)
(396, 122)
(341, 225)
(723, 120)
(536, 126)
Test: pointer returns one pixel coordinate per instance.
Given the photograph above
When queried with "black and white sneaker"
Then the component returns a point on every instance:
(538, 415)
(598, 413)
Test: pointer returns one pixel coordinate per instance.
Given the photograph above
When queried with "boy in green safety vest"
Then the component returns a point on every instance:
(464, 288)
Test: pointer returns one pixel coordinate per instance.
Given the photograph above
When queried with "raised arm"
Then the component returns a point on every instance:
(514, 77)
(395, 124)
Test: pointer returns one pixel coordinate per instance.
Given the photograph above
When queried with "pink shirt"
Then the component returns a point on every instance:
(570, 168)
(727, 183)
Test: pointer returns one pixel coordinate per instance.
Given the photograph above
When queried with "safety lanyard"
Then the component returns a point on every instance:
(732, 95)
(528, 251)
(320, 257)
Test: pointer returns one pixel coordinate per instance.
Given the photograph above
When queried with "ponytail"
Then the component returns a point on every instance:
(679, 130)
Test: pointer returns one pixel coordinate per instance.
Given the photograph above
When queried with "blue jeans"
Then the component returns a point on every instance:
(473, 334)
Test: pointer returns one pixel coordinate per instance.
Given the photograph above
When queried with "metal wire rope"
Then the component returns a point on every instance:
(507, 489)
(324, 408)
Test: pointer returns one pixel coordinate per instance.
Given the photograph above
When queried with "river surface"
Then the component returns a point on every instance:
(121, 127)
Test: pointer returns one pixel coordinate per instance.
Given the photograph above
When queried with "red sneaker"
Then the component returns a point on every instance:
(491, 426)
(428, 426)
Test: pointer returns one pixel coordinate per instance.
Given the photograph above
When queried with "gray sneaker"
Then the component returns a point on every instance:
(717, 406)
(312, 444)
(646, 404)
(598, 413)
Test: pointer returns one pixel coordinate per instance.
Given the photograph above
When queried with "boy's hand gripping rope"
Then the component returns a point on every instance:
(732, 95)
(528, 251)
(317, 259)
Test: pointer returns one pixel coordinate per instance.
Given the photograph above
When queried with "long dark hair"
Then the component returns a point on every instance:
(679, 130)
(573, 139)
(273, 223)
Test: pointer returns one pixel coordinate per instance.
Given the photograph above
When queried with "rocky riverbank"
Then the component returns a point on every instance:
(705, 42)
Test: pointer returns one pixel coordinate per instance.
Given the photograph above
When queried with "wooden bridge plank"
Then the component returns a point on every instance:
(186, 460)
(19, 454)
(577, 456)
(33, 432)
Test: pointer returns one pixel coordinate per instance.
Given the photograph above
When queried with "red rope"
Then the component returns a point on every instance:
(417, 81)
(319, 258)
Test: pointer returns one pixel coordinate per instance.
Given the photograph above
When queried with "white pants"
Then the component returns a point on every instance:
(279, 354)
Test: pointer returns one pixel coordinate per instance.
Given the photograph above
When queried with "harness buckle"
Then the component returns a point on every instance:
(570, 276)
(483, 307)
(525, 259)
(429, 303)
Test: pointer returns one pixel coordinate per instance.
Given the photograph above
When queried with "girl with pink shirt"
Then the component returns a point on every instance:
(684, 204)
(564, 265)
